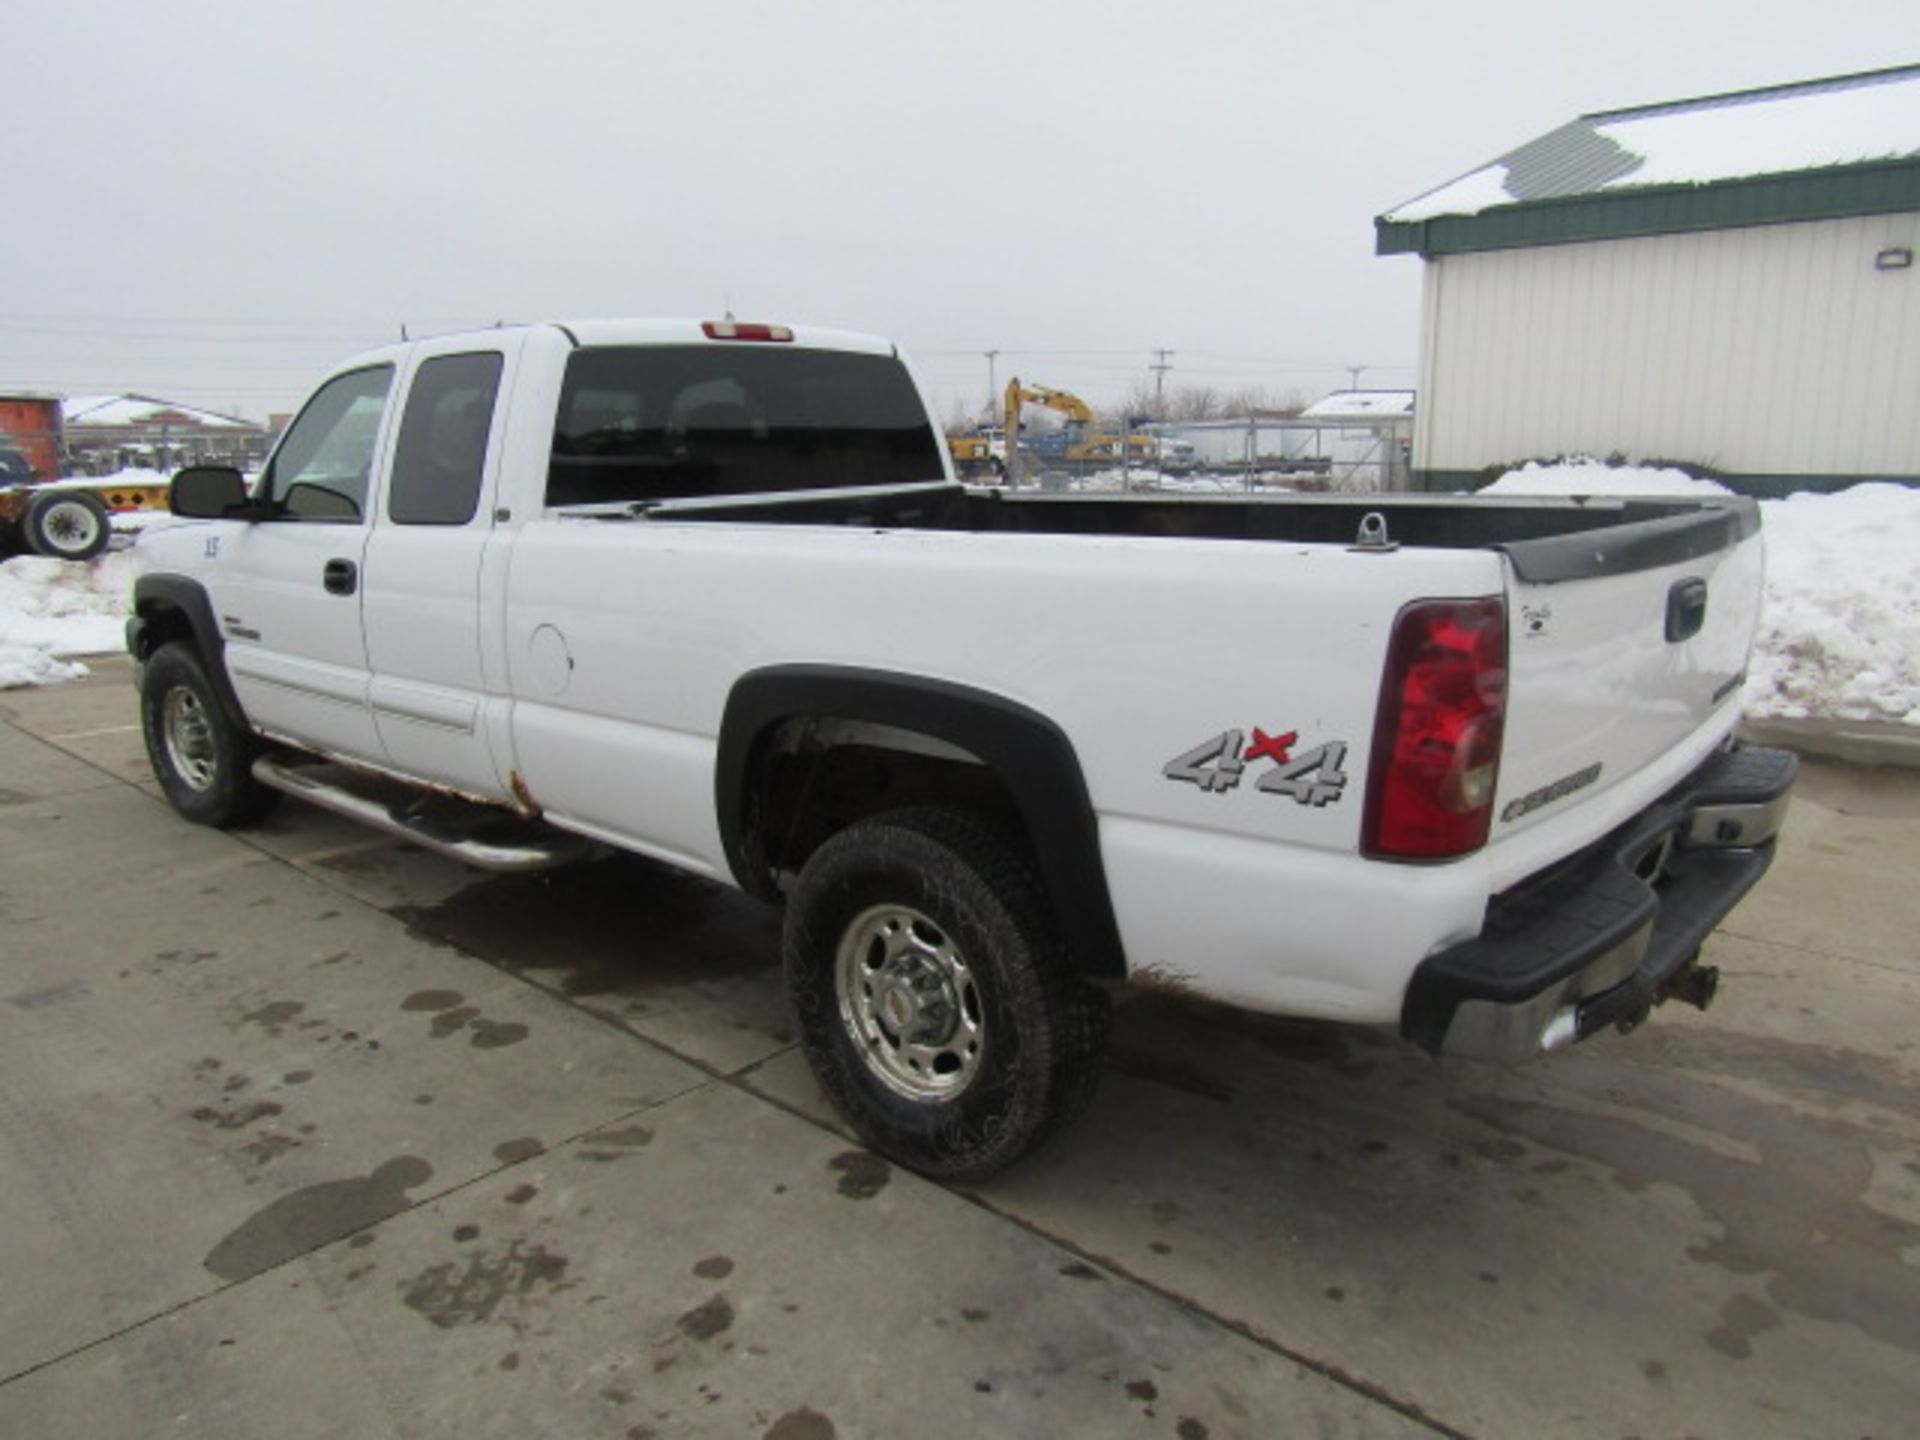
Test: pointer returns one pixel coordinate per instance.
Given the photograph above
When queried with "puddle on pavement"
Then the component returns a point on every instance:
(618, 924)
(315, 1215)
(487, 1285)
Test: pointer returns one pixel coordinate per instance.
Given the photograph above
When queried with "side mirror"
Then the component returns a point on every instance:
(208, 492)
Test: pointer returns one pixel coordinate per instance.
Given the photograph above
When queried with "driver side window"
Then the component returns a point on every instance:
(323, 467)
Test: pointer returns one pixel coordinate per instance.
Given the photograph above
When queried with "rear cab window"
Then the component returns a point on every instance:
(440, 458)
(663, 422)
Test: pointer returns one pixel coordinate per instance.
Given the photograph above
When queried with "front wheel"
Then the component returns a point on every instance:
(202, 759)
(935, 1002)
(67, 525)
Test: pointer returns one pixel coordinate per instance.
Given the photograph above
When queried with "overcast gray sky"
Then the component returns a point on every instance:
(215, 202)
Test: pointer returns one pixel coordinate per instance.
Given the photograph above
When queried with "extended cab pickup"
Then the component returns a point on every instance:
(711, 594)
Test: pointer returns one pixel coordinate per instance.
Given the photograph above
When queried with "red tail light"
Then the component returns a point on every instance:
(1436, 739)
(736, 330)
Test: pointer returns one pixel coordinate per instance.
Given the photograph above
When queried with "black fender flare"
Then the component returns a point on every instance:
(152, 593)
(1030, 753)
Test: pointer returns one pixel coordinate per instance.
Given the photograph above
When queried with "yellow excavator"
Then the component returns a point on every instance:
(1075, 444)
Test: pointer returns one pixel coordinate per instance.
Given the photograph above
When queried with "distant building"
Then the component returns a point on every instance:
(1728, 281)
(29, 436)
(1356, 439)
(112, 432)
(1363, 405)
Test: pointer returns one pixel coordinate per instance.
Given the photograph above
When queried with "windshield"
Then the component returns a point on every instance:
(662, 422)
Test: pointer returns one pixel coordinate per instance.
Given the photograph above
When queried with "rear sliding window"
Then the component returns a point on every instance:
(662, 422)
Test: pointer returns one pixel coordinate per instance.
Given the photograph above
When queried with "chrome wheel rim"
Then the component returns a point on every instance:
(910, 1003)
(189, 738)
(70, 525)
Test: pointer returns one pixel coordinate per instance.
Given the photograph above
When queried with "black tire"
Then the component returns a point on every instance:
(67, 525)
(203, 761)
(974, 967)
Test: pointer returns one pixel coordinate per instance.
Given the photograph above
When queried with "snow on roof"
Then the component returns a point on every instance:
(1360, 405)
(1814, 125)
(136, 410)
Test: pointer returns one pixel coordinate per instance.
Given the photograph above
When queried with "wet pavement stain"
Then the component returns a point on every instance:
(270, 1147)
(274, 1017)
(497, 1034)
(315, 1215)
(484, 1034)
(862, 1176)
(521, 1194)
(237, 1119)
(714, 1267)
(432, 1000)
(618, 924)
(1190, 1429)
(706, 1320)
(1742, 1318)
(802, 1424)
(485, 1285)
(450, 1022)
(1798, 1215)
(1079, 1271)
(54, 995)
(512, 1152)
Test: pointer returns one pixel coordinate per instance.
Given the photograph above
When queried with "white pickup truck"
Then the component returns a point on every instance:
(710, 593)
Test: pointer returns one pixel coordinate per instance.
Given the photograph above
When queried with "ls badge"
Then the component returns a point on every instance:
(1313, 777)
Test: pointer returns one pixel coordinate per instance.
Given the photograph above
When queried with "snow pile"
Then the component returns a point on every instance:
(50, 609)
(1839, 630)
(1596, 477)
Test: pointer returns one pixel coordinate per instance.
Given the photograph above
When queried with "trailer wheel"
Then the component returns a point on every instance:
(935, 1003)
(67, 525)
(203, 761)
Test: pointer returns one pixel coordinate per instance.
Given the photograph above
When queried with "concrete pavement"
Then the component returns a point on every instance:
(306, 1132)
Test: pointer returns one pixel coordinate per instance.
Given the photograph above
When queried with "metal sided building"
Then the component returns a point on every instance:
(1728, 281)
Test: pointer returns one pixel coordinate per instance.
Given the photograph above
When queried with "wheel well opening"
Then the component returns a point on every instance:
(817, 775)
(164, 624)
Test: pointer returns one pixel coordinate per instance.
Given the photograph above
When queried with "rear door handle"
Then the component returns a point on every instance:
(341, 577)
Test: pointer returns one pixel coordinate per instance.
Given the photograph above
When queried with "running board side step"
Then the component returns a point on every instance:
(535, 847)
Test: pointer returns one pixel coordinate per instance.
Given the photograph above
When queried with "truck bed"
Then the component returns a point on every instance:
(1547, 539)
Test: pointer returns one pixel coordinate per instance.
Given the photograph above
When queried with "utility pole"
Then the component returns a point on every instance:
(1163, 362)
(993, 390)
(1353, 376)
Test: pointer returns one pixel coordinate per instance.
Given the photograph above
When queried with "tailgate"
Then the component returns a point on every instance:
(1624, 642)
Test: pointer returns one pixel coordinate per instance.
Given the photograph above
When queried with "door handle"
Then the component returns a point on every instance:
(1686, 609)
(341, 577)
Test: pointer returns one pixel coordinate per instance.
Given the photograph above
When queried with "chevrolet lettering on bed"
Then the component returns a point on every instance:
(710, 593)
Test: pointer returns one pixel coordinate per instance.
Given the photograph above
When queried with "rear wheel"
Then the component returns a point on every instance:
(203, 761)
(935, 1002)
(67, 525)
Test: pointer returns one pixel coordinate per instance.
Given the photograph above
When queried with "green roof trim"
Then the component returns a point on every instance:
(1879, 188)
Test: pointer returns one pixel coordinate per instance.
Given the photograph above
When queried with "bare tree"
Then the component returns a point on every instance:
(1265, 400)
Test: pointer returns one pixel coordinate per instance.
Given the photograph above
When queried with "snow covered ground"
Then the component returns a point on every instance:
(1839, 636)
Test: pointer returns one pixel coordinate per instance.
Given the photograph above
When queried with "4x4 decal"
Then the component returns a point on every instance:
(1313, 777)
